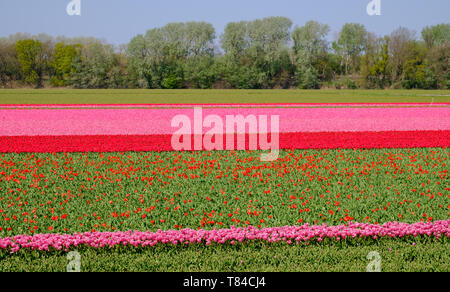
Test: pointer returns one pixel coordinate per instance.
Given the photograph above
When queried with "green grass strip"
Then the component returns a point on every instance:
(140, 96)
(423, 255)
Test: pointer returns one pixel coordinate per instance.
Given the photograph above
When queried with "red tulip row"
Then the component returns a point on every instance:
(322, 140)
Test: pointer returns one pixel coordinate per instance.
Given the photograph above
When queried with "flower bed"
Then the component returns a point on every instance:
(321, 140)
(288, 234)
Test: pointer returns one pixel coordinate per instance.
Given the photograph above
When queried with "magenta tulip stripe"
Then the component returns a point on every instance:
(287, 234)
(47, 122)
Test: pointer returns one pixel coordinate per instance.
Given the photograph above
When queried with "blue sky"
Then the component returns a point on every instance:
(117, 21)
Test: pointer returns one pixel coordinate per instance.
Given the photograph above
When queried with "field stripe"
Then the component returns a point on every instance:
(44, 122)
(287, 234)
(298, 140)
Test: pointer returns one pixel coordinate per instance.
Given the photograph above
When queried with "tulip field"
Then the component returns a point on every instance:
(102, 178)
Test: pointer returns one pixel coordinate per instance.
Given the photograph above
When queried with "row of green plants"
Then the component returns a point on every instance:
(259, 54)
(395, 255)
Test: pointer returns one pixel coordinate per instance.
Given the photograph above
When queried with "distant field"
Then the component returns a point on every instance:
(120, 96)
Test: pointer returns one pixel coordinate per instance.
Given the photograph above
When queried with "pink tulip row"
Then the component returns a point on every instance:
(288, 234)
(125, 121)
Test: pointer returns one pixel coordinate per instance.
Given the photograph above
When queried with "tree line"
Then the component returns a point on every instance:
(259, 54)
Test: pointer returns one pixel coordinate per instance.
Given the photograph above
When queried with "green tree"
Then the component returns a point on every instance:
(158, 59)
(310, 49)
(63, 66)
(234, 40)
(399, 44)
(437, 35)
(310, 39)
(99, 66)
(257, 52)
(10, 68)
(438, 64)
(351, 43)
(375, 68)
(32, 59)
(415, 72)
(199, 39)
(200, 72)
